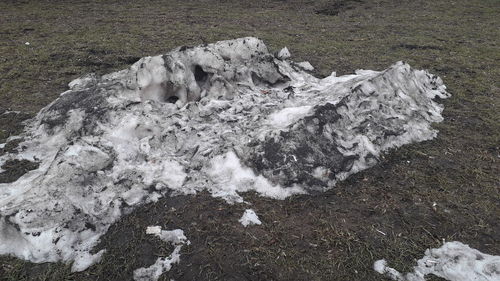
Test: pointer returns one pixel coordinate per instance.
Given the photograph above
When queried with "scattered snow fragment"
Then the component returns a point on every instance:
(175, 237)
(453, 261)
(85, 259)
(27, 43)
(283, 54)
(155, 230)
(249, 217)
(381, 267)
(307, 66)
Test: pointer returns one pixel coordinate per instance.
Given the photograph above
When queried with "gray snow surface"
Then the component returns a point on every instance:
(227, 117)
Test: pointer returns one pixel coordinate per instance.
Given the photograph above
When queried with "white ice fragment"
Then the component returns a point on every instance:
(320, 173)
(161, 265)
(249, 217)
(381, 267)
(27, 43)
(86, 259)
(306, 66)
(155, 230)
(175, 237)
(287, 116)
(453, 261)
(283, 54)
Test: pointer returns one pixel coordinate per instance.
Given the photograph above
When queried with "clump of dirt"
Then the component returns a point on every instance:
(336, 7)
(11, 123)
(14, 169)
(419, 47)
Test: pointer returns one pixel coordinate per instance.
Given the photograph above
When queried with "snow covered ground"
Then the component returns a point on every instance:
(227, 117)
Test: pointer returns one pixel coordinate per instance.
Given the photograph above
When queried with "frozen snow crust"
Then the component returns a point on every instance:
(227, 117)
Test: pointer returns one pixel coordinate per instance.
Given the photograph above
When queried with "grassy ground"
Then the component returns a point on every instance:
(447, 188)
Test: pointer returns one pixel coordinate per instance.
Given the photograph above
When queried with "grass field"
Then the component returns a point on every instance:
(418, 196)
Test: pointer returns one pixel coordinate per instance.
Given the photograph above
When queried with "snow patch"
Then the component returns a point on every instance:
(307, 66)
(283, 54)
(174, 237)
(453, 261)
(249, 217)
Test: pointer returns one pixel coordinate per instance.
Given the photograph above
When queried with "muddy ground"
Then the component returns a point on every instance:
(418, 196)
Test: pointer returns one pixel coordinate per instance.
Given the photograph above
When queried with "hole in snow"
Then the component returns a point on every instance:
(172, 99)
(258, 81)
(199, 75)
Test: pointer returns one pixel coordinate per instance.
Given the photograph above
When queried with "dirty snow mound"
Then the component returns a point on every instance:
(227, 117)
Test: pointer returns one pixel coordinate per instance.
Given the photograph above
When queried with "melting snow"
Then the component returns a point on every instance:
(249, 217)
(175, 237)
(287, 116)
(230, 177)
(454, 261)
(227, 117)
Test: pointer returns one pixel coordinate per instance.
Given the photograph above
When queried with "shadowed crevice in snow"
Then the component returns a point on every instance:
(227, 117)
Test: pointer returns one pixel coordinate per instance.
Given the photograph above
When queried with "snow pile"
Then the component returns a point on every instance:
(249, 217)
(454, 261)
(176, 238)
(227, 117)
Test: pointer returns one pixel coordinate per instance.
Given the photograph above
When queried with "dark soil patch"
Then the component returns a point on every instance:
(11, 123)
(14, 169)
(334, 8)
(419, 47)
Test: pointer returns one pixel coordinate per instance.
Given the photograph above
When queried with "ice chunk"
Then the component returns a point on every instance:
(283, 54)
(307, 66)
(249, 217)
